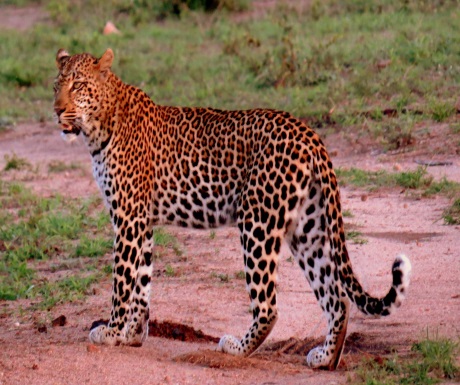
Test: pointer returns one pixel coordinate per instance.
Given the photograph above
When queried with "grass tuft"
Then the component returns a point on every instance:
(441, 111)
(59, 166)
(432, 361)
(163, 238)
(66, 290)
(170, 271)
(93, 247)
(361, 178)
(418, 180)
(356, 237)
(6, 123)
(13, 162)
(35, 229)
(451, 215)
(240, 274)
(438, 358)
(443, 186)
(413, 180)
(347, 214)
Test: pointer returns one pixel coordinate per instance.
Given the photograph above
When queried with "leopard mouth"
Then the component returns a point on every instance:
(68, 129)
(69, 132)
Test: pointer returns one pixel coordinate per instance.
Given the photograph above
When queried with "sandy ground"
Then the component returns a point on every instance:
(392, 221)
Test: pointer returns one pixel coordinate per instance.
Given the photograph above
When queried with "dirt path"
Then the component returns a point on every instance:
(21, 18)
(197, 296)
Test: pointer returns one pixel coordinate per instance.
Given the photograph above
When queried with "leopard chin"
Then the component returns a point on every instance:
(70, 135)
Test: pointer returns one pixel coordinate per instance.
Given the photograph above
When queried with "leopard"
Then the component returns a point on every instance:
(263, 170)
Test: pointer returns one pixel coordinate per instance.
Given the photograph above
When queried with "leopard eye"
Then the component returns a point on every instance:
(77, 85)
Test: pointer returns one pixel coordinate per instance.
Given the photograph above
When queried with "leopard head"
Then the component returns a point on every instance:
(79, 91)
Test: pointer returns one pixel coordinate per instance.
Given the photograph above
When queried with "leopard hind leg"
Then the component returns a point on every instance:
(311, 246)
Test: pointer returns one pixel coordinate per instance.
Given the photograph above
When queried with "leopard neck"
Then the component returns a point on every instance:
(104, 123)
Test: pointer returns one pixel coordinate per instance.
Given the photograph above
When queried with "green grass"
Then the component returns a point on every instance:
(16, 279)
(58, 166)
(66, 290)
(413, 179)
(451, 215)
(240, 274)
(418, 179)
(455, 127)
(441, 110)
(347, 214)
(419, 182)
(438, 357)
(170, 271)
(14, 162)
(376, 179)
(443, 186)
(225, 278)
(93, 246)
(432, 361)
(392, 132)
(356, 237)
(326, 58)
(35, 230)
(162, 238)
(6, 123)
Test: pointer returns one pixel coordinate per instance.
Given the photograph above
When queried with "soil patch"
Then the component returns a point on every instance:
(293, 351)
(170, 330)
(177, 331)
(403, 236)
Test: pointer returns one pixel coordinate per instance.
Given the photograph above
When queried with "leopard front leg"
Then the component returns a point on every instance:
(139, 311)
(132, 270)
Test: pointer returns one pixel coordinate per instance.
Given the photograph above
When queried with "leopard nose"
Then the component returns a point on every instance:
(59, 111)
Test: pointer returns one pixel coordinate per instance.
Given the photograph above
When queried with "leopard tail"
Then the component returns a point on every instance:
(364, 301)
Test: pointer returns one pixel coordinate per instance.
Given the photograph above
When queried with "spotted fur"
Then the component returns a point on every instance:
(200, 167)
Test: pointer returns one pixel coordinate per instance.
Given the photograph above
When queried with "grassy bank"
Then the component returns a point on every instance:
(347, 60)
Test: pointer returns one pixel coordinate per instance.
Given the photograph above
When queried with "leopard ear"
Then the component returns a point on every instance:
(61, 57)
(105, 62)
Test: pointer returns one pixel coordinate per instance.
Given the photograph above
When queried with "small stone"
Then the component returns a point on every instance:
(364, 197)
(383, 63)
(110, 29)
(92, 348)
(333, 153)
(59, 321)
